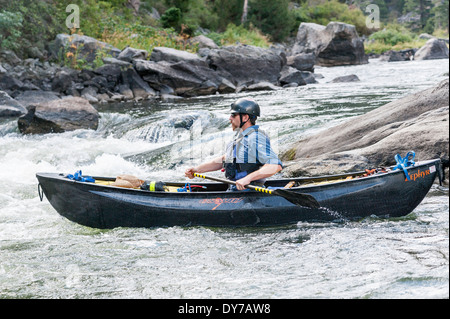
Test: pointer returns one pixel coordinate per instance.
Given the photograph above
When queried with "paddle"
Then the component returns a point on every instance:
(298, 199)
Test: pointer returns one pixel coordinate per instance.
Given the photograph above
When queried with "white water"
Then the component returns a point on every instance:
(43, 255)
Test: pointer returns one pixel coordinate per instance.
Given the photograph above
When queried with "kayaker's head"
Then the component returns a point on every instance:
(244, 113)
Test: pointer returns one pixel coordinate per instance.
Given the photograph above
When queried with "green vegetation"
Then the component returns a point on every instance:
(26, 24)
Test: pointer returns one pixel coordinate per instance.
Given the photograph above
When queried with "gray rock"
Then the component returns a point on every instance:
(245, 64)
(336, 44)
(58, 116)
(8, 56)
(138, 87)
(309, 39)
(174, 55)
(302, 61)
(27, 98)
(417, 122)
(395, 56)
(291, 75)
(116, 61)
(129, 54)
(204, 42)
(10, 83)
(186, 79)
(10, 107)
(346, 78)
(262, 86)
(87, 47)
(433, 49)
(62, 81)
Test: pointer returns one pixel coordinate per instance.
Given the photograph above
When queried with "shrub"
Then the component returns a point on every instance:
(171, 18)
(391, 36)
(239, 34)
(10, 26)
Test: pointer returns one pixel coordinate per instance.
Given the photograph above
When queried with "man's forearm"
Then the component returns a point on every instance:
(214, 165)
(267, 170)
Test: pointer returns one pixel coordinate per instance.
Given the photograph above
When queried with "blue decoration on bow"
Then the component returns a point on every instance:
(403, 163)
(78, 176)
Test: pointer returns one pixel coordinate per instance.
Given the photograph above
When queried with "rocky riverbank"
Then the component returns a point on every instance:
(36, 89)
(418, 122)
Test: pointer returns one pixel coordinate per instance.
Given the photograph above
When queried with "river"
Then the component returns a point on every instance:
(43, 255)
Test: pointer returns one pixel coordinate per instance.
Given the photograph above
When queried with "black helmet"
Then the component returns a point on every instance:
(245, 106)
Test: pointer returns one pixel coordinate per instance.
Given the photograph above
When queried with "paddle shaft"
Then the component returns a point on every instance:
(256, 188)
(299, 199)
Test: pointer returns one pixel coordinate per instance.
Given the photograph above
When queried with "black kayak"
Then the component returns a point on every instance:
(352, 196)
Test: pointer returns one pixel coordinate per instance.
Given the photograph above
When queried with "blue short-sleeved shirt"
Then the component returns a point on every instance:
(252, 146)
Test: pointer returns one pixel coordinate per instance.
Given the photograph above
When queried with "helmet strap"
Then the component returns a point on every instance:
(243, 123)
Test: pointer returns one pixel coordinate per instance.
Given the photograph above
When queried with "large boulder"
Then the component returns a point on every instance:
(27, 98)
(336, 44)
(310, 38)
(418, 122)
(246, 64)
(86, 47)
(58, 116)
(432, 49)
(185, 79)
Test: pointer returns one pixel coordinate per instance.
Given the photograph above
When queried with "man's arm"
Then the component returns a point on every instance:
(267, 170)
(214, 165)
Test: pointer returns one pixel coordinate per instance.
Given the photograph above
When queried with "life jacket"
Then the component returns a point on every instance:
(235, 170)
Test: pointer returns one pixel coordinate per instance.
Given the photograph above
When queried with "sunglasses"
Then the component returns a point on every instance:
(233, 115)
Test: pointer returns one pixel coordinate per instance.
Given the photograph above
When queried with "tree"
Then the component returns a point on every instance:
(244, 12)
(271, 17)
(421, 7)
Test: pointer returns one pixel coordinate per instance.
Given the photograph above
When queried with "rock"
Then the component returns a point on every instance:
(309, 39)
(138, 87)
(245, 64)
(343, 48)
(2, 70)
(116, 61)
(425, 36)
(111, 72)
(27, 98)
(417, 122)
(62, 81)
(10, 107)
(9, 57)
(302, 61)
(346, 78)
(87, 47)
(174, 55)
(186, 79)
(10, 83)
(89, 93)
(308, 77)
(291, 75)
(204, 42)
(125, 90)
(336, 44)
(394, 56)
(433, 49)
(129, 54)
(262, 86)
(58, 116)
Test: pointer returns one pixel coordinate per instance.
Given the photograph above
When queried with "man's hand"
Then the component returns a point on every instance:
(241, 183)
(190, 172)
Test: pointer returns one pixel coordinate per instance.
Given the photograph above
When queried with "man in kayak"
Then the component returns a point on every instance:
(249, 158)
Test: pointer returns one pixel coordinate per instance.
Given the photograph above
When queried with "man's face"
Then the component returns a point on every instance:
(235, 120)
